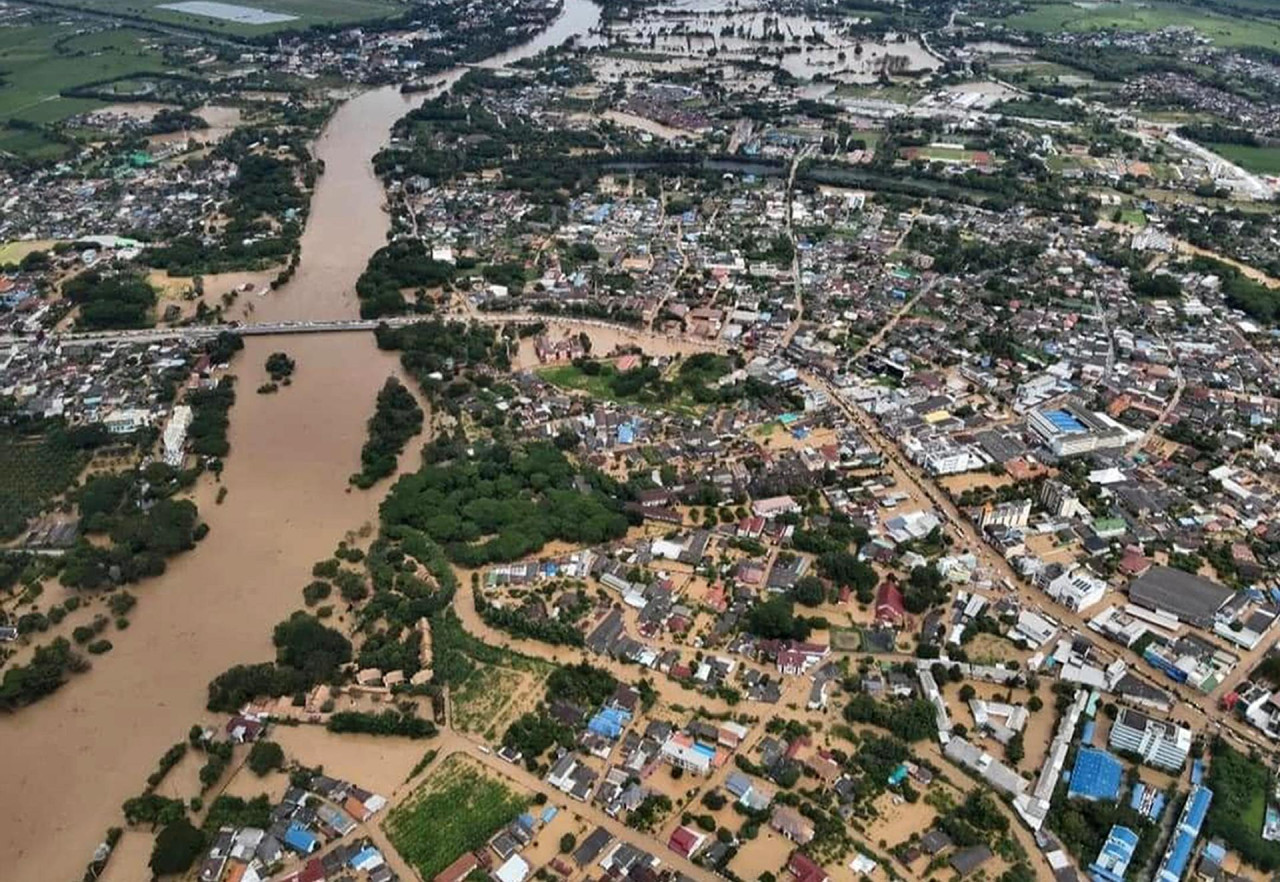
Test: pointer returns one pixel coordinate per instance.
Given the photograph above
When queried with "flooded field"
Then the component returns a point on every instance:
(805, 47)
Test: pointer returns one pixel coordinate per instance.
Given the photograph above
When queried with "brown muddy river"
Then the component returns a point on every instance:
(68, 762)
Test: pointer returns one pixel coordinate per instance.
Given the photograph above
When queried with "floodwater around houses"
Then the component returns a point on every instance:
(69, 761)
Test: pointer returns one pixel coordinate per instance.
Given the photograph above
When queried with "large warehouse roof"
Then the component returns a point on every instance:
(1190, 597)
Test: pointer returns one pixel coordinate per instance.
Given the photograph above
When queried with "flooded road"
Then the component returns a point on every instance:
(70, 761)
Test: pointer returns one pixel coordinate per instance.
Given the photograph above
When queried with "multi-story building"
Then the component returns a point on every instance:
(1060, 500)
(1014, 513)
(1160, 743)
(1072, 430)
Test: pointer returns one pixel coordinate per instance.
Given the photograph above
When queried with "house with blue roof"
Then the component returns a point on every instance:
(1113, 860)
(366, 859)
(609, 722)
(301, 840)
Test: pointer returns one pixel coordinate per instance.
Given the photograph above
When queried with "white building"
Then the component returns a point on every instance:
(1071, 430)
(516, 869)
(1077, 590)
(1162, 744)
(122, 422)
(681, 752)
(175, 435)
(1060, 500)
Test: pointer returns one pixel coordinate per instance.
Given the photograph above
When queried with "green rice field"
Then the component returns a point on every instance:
(1260, 160)
(1130, 15)
(41, 60)
(455, 811)
(305, 13)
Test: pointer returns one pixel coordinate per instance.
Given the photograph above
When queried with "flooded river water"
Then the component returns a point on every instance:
(69, 762)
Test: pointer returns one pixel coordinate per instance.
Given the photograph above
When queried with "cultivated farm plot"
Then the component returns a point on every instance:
(492, 697)
(245, 18)
(1260, 160)
(455, 810)
(31, 474)
(42, 60)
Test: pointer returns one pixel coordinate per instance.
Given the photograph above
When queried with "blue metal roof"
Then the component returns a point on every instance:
(1096, 775)
(1063, 421)
(1113, 860)
(1178, 854)
(1176, 858)
(1197, 808)
(365, 854)
(300, 840)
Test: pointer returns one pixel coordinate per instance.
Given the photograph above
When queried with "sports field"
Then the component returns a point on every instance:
(1130, 15)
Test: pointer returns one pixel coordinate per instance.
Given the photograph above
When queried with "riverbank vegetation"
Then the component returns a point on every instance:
(142, 520)
(396, 418)
(307, 653)
(43, 675)
(390, 723)
(447, 359)
(280, 367)
(506, 502)
(210, 419)
(405, 263)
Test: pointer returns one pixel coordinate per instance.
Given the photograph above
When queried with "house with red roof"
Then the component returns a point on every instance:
(805, 869)
(686, 842)
(889, 606)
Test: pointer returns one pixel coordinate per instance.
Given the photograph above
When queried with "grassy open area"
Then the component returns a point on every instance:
(1133, 217)
(1130, 15)
(41, 60)
(902, 93)
(1240, 786)
(12, 252)
(306, 13)
(945, 154)
(490, 698)
(871, 136)
(568, 376)
(456, 810)
(1260, 160)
